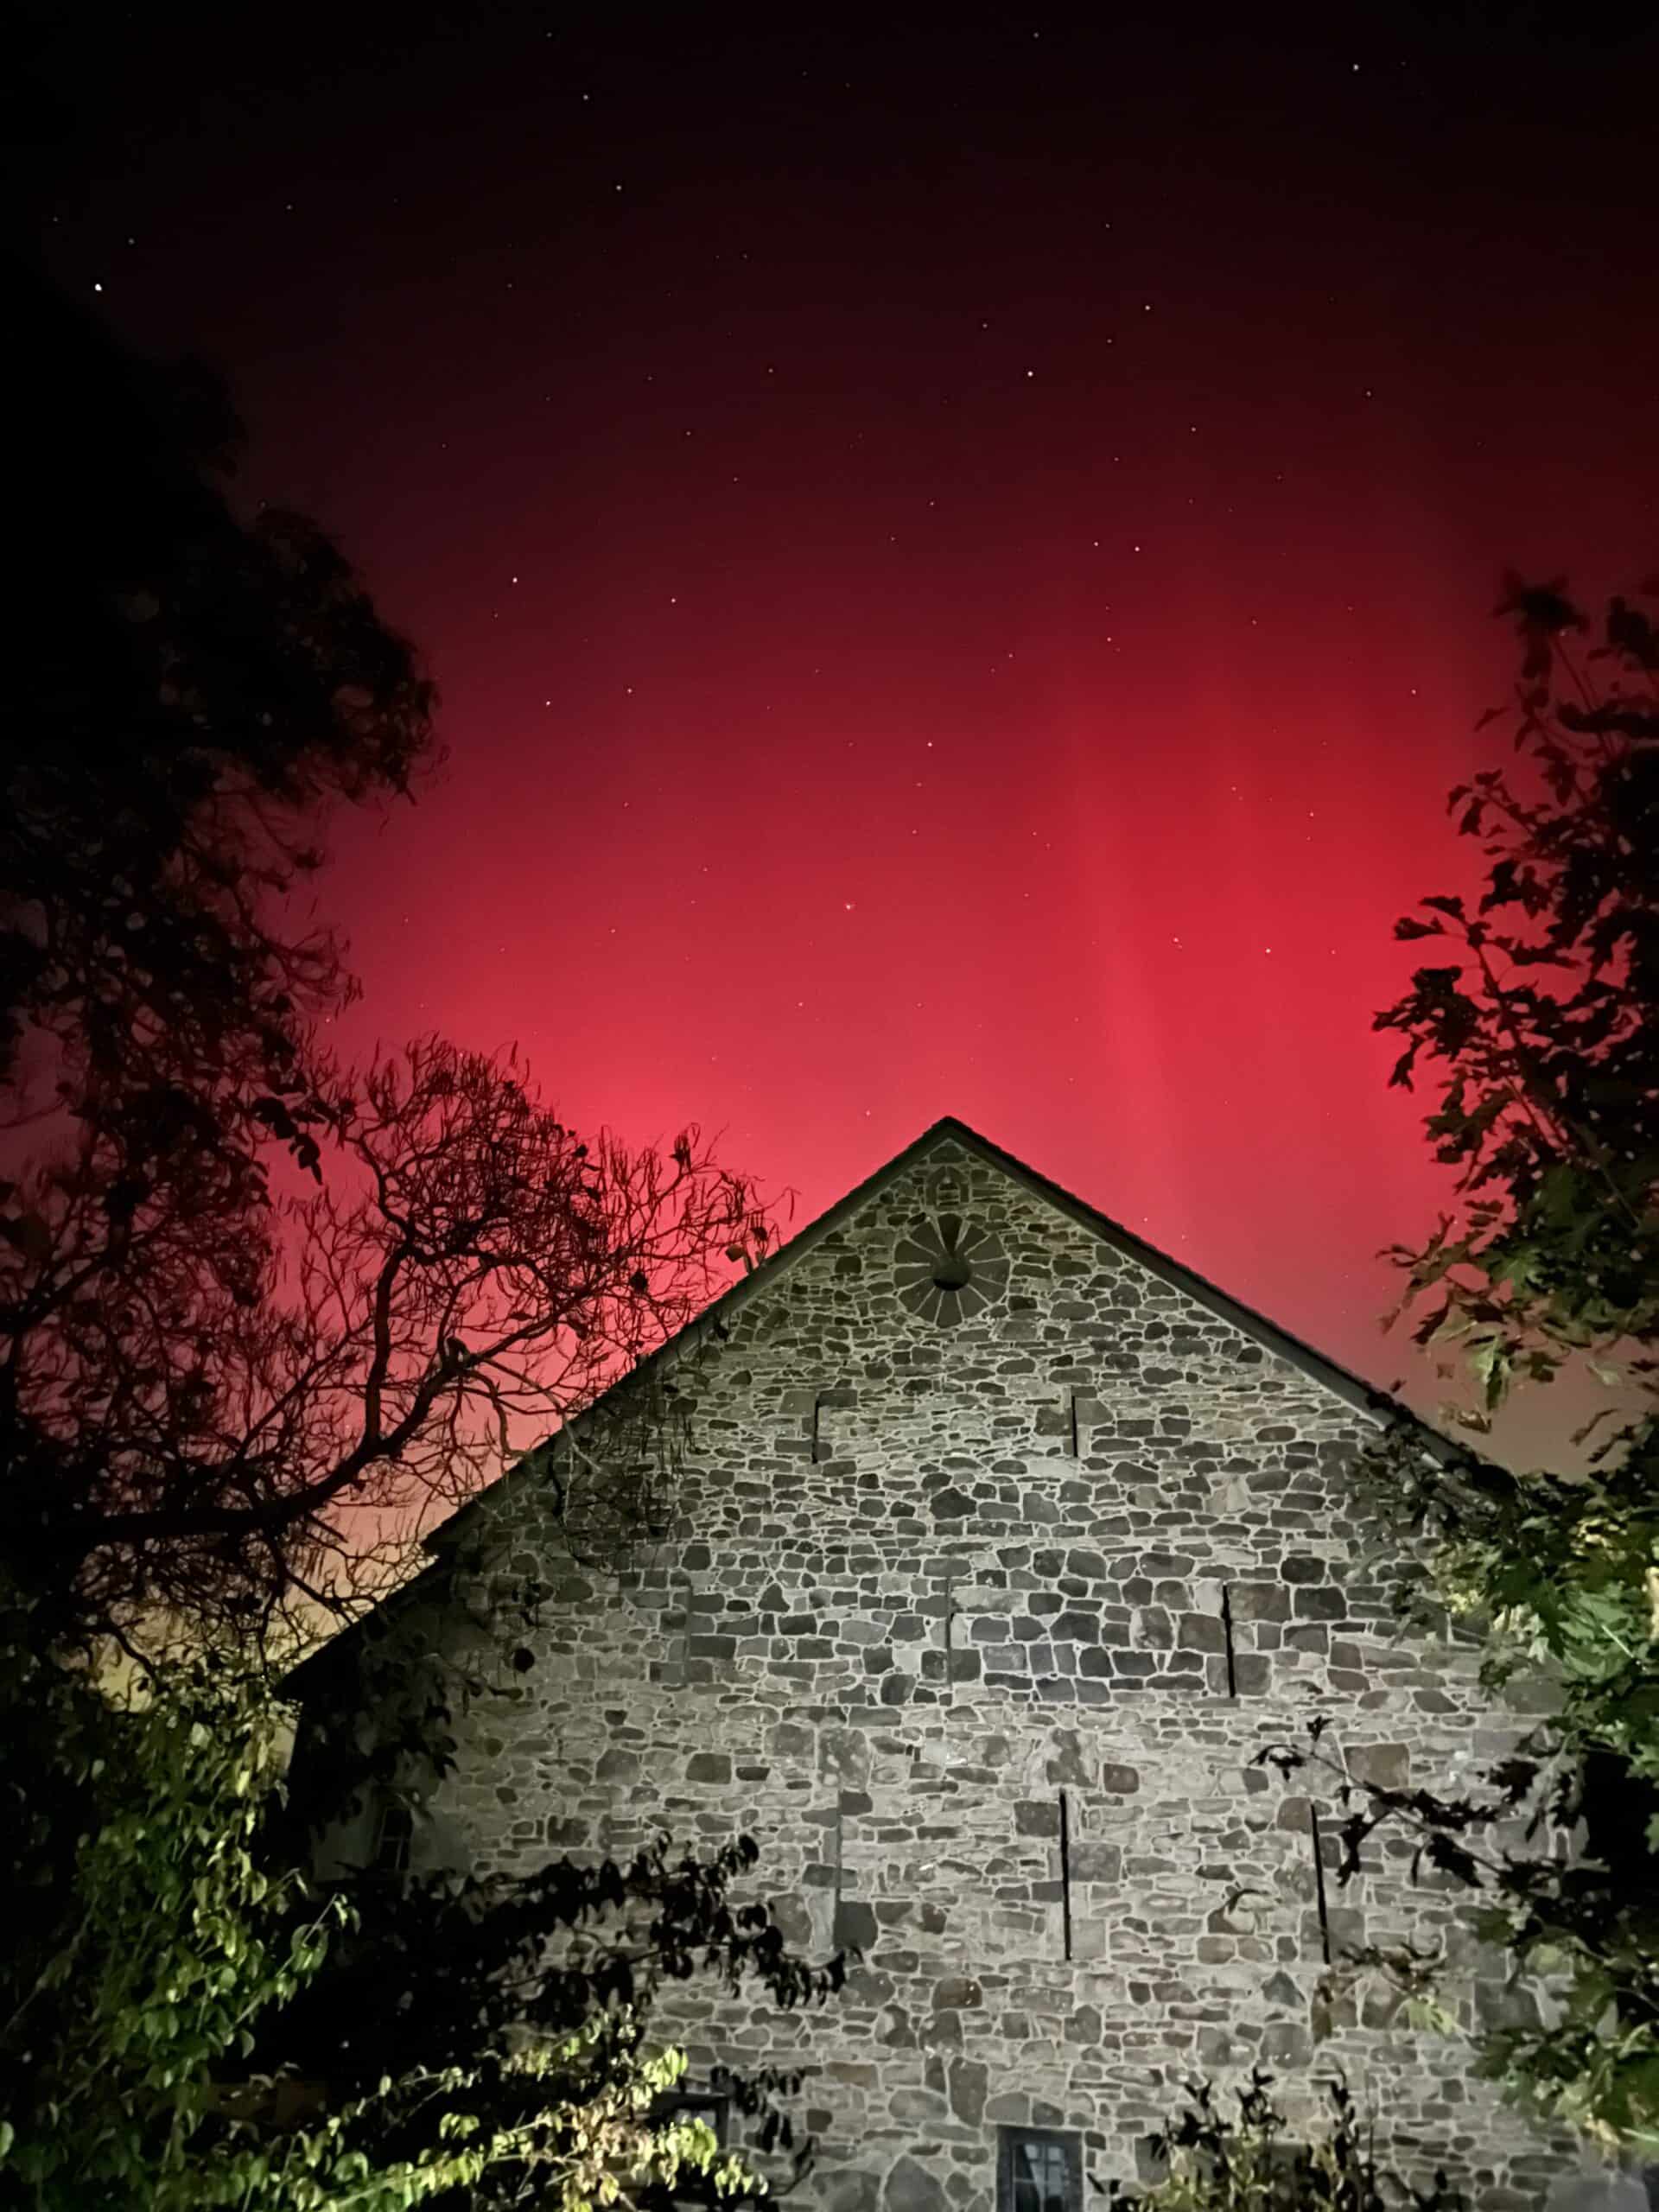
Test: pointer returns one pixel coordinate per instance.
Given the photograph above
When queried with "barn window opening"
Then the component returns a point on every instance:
(706, 2105)
(1039, 2169)
(394, 1838)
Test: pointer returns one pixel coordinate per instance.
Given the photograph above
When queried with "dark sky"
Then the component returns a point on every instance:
(958, 551)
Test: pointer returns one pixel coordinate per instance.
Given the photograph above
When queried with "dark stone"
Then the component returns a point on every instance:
(798, 1624)
(1286, 2042)
(708, 1766)
(1259, 1601)
(1321, 1605)
(1301, 1566)
(969, 2082)
(1252, 1674)
(1088, 1565)
(1200, 1632)
(1073, 1628)
(616, 1766)
(1094, 1662)
(1040, 1817)
(949, 1505)
(1120, 1781)
(1306, 1635)
(855, 1925)
(956, 1993)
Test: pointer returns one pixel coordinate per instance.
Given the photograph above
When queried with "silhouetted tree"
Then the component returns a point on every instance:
(211, 1403)
(255, 1406)
(1542, 1023)
(194, 684)
(216, 1405)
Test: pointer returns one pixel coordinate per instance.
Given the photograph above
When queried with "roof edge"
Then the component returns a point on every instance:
(1364, 1397)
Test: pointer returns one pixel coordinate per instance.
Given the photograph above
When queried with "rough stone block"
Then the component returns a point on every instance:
(1093, 1860)
(1388, 1765)
(1321, 1604)
(855, 1925)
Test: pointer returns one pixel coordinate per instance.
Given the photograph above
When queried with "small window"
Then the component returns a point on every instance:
(696, 2104)
(394, 1835)
(1039, 2169)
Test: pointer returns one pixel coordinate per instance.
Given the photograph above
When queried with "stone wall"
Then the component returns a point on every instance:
(930, 1578)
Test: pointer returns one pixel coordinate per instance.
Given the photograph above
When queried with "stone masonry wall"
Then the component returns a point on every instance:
(886, 1653)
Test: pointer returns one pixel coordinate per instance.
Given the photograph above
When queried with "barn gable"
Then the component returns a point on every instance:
(1002, 1547)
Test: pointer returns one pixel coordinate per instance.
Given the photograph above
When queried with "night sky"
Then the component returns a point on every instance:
(958, 553)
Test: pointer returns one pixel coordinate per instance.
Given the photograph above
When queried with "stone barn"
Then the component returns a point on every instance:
(1003, 1544)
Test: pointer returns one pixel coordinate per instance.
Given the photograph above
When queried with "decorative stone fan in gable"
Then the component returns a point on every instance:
(946, 1270)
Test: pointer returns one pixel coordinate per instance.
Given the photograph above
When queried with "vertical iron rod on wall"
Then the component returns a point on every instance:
(1318, 1881)
(686, 1630)
(817, 1402)
(1065, 1871)
(950, 1616)
(1076, 1452)
(1227, 1631)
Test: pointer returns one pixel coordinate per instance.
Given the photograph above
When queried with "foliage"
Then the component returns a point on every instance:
(260, 1405)
(1212, 2164)
(443, 1964)
(1545, 1018)
(196, 684)
(225, 1396)
(1542, 1023)
(1579, 2047)
(189, 2023)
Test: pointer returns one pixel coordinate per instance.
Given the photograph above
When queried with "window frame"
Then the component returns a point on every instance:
(392, 1811)
(713, 2105)
(1068, 2141)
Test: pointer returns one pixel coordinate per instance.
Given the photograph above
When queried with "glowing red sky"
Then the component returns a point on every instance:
(959, 564)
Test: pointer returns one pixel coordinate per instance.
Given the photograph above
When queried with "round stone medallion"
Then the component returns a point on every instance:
(947, 1270)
